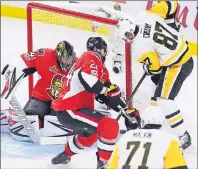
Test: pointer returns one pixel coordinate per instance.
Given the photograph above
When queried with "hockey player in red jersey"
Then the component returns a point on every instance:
(52, 65)
(75, 106)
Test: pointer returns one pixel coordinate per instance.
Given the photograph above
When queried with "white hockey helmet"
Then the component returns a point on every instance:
(153, 115)
(125, 30)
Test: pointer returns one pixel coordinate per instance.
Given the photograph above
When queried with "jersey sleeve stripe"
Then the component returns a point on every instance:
(184, 57)
(182, 51)
(90, 83)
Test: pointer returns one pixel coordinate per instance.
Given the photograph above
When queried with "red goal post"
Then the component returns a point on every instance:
(65, 17)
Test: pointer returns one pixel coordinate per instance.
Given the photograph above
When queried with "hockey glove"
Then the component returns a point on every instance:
(113, 90)
(151, 72)
(113, 95)
(102, 99)
(146, 69)
(133, 113)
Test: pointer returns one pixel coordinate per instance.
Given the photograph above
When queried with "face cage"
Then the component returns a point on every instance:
(65, 55)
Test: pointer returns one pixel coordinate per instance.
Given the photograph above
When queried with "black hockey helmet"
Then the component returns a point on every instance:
(97, 44)
(65, 55)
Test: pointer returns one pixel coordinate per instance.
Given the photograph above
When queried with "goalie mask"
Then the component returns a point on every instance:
(126, 30)
(65, 55)
(97, 44)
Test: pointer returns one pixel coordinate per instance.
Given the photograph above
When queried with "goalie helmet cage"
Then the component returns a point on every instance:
(56, 10)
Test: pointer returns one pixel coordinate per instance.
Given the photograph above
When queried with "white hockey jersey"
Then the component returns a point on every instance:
(157, 44)
(147, 148)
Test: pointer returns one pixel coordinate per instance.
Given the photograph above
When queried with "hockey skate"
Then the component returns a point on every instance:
(61, 158)
(101, 164)
(185, 140)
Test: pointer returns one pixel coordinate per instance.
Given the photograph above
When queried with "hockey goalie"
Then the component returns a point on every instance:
(52, 65)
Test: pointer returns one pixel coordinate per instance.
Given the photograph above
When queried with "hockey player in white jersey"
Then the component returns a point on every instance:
(148, 147)
(161, 50)
(118, 46)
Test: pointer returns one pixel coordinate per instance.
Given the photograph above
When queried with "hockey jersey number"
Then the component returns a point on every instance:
(136, 145)
(161, 38)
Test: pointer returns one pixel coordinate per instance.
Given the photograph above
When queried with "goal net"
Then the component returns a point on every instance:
(47, 25)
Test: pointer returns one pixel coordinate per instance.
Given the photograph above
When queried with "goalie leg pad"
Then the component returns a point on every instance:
(4, 121)
(53, 128)
(17, 130)
(6, 108)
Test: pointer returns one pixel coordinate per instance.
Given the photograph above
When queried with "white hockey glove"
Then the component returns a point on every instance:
(150, 72)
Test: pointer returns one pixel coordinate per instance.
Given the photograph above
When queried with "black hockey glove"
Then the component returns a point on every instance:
(113, 97)
(133, 113)
(102, 99)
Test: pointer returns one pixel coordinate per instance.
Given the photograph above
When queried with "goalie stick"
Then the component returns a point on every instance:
(8, 93)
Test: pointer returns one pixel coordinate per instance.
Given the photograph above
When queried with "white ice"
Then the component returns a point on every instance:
(27, 155)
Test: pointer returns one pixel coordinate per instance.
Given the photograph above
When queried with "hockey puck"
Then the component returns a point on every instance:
(122, 131)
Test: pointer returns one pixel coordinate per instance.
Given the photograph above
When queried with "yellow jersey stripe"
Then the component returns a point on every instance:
(176, 54)
(171, 75)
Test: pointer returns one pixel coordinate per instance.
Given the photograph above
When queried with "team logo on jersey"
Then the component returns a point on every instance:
(56, 86)
(53, 69)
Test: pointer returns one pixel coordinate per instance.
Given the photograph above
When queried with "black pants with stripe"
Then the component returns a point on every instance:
(83, 122)
(170, 81)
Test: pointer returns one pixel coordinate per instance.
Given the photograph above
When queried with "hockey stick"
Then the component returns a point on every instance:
(132, 95)
(8, 93)
(136, 88)
(24, 121)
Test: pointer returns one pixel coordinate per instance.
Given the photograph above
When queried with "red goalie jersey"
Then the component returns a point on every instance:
(81, 83)
(44, 61)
